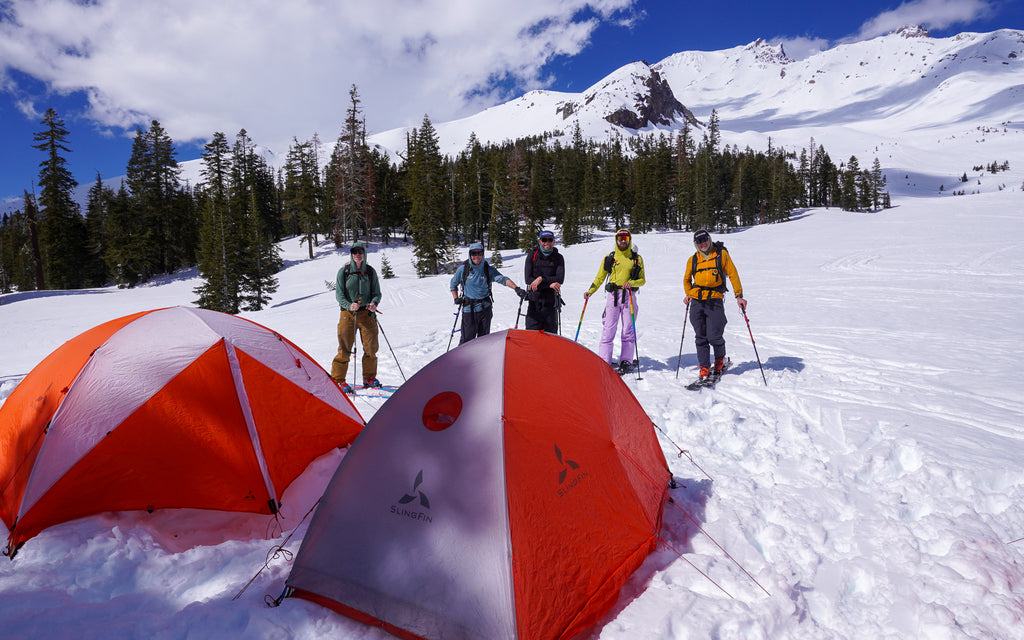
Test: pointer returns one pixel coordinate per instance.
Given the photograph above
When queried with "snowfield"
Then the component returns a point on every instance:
(873, 488)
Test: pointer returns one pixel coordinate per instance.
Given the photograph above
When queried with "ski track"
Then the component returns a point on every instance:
(810, 511)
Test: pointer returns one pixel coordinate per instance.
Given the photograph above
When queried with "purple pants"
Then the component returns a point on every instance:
(613, 314)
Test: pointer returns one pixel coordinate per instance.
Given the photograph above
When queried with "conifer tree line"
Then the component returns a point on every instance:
(228, 225)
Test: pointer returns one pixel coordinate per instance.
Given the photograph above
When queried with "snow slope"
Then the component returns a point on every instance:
(873, 488)
(902, 97)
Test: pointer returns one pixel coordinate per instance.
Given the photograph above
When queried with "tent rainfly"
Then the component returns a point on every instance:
(169, 408)
(505, 492)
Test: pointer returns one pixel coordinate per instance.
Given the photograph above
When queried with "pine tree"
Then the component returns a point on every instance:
(220, 237)
(472, 190)
(386, 271)
(351, 174)
(428, 201)
(97, 210)
(258, 258)
(63, 234)
(850, 174)
(300, 201)
(875, 181)
(163, 234)
(21, 265)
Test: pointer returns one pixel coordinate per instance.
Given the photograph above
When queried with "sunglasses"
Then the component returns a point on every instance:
(702, 238)
(476, 253)
(357, 252)
(547, 239)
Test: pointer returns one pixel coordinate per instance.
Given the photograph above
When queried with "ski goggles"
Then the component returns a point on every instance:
(622, 234)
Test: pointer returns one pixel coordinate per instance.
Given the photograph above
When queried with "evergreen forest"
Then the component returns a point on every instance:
(228, 225)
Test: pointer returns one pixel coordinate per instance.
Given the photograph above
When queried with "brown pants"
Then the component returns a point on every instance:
(367, 323)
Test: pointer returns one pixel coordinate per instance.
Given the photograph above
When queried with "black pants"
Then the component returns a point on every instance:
(708, 320)
(475, 323)
(542, 317)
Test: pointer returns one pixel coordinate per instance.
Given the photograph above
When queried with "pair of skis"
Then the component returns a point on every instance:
(711, 380)
(384, 391)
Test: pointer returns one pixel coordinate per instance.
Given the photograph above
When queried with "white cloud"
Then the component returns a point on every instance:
(283, 69)
(932, 14)
(801, 47)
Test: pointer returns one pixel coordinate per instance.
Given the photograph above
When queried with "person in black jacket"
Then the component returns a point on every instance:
(544, 275)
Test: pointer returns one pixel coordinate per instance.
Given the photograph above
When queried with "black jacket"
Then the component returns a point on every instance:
(550, 268)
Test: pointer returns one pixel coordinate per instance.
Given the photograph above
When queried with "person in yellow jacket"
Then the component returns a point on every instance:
(623, 268)
(704, 281)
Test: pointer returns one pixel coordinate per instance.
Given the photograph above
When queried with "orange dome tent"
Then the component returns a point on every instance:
(506, 491)
(170, 408)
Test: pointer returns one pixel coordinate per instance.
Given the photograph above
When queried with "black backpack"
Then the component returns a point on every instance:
(721, 288)
(466, 266)
(634, 273)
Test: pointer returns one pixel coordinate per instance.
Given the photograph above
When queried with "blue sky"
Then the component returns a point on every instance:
(283, 70)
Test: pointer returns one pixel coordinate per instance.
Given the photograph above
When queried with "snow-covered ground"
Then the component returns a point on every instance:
(874, 487)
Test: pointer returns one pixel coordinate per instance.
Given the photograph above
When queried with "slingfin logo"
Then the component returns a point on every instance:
(409, 498)
(566, 465)
(566, 484)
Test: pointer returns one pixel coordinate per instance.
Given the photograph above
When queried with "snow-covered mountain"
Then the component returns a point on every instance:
(902, 97)
(897, 97)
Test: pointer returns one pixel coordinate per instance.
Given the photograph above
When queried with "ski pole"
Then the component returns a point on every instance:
(457, 313)
(388, 342)
(636, 350)
(355, 336)
(520, 311)
(686, 317)
(558, 308)
(585, 301)
(754, 345)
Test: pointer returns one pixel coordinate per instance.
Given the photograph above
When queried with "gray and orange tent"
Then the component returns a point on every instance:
(169, 408)
(506, 491)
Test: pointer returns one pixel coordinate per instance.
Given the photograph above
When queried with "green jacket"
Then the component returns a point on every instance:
(357, 285)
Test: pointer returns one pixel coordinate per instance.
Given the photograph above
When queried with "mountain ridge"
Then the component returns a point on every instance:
(904, 86)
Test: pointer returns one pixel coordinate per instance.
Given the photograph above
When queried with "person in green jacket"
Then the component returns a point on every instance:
(358, 292)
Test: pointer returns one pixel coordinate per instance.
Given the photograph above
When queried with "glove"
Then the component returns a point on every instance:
(460, 301)
(520, 293)
(611, 287)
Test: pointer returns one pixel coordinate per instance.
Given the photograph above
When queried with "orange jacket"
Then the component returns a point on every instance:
(705, 282)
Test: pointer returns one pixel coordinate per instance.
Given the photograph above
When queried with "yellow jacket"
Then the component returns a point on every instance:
(622, 264)
(705, 282)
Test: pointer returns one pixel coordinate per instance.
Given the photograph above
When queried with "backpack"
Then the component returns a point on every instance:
(347, 271)
(720, 248)
(466, 266)
(634, 273)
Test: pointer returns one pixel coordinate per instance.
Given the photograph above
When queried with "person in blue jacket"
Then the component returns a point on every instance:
(475, 277)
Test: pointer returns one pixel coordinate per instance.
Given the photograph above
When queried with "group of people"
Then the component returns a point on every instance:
(620, 273)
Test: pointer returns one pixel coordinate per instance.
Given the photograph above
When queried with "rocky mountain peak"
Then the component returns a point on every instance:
(912, 31)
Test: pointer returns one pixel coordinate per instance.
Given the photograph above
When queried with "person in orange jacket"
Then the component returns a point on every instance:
(704, 281)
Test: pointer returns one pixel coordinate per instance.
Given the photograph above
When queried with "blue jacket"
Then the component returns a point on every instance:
(476, 283)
